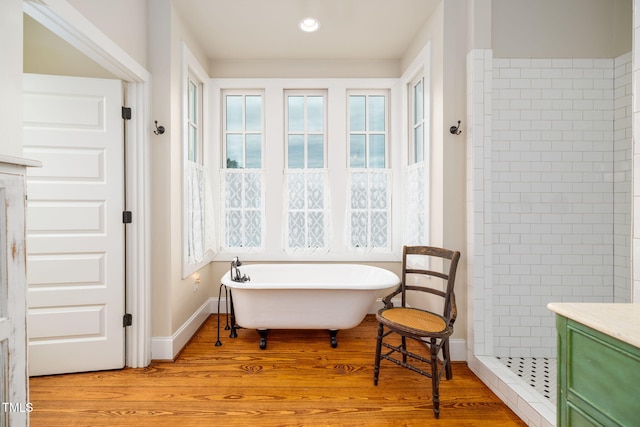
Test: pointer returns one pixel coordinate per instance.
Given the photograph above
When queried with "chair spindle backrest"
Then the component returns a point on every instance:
(448, 277)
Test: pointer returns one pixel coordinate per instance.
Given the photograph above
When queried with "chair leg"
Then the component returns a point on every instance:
(435, 378)
(376, 364)
(446, 355)
(404, 348)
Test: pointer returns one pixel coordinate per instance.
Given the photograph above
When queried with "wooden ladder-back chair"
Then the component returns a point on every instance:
(430, 327)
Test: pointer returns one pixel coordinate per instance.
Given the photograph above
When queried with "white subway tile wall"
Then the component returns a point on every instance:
(549, 151)
(561, 176)
(623, 178)
(479, 203)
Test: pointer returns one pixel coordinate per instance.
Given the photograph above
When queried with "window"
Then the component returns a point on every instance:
(415, 224)
(369, 190)
(198, 240)
(243, 131)
(367, 130)
(288, 197)
(242, 177)
(417, 121)
(195, 174)
(305, 131)
(194, 112)
(306, 184)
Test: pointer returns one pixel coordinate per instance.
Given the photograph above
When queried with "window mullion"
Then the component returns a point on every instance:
(307, 213)
(369, 212)
(243, 210)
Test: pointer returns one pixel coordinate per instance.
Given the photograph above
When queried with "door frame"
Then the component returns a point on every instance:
(66, 22)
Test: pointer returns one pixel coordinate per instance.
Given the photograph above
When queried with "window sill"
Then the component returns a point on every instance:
(310, 257)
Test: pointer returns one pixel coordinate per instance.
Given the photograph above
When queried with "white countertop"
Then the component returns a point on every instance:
(621, 321)
(19, 161)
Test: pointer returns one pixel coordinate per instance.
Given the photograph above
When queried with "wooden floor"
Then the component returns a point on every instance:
(298, 380)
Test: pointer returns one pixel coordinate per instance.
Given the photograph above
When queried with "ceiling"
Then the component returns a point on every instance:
(268, 29)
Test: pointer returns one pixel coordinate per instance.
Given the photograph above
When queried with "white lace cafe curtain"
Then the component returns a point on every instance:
(199, 215)
(369, 209)
(415, 221)
(307, 214)
(244, 215)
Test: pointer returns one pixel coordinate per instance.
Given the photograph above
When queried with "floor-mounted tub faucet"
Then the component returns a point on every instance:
(235, 271)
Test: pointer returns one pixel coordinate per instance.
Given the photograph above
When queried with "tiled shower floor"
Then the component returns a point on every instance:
(538, 372)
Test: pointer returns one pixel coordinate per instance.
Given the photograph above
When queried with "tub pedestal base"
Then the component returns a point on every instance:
(263, 338)
(264, 332)
(332, 337)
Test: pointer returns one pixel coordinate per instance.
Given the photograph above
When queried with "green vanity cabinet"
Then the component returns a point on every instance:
(598, 373)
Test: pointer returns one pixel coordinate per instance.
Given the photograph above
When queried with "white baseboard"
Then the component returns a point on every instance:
(167, 348)
(458, 349)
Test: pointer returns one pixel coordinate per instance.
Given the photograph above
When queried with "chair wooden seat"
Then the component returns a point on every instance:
(429, 329)
(412, 320)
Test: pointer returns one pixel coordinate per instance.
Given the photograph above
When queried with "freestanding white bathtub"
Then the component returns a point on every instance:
(306, 296)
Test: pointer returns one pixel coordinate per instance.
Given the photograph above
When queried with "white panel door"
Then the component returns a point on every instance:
(75, 234)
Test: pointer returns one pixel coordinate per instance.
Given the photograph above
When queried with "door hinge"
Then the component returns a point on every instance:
(127, 320)
(126, 113)
(127, 217)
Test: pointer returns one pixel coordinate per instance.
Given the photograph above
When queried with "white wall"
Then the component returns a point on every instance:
(163, 170)
(304, 68)
(123, 21)
(445, 33)
(11, 78)
(174, 300)
(561, 29)
(46, 53)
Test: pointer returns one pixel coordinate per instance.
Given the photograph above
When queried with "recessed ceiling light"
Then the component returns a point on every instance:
(309, 25)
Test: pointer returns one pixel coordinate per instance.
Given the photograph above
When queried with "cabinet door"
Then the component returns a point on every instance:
(13, 370)
(598, 377)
